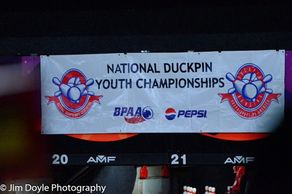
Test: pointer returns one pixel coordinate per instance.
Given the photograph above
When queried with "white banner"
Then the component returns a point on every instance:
(236, 91)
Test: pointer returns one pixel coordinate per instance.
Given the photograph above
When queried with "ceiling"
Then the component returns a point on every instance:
(129, 18)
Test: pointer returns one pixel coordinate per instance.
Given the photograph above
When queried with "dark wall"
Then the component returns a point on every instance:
(131, 27)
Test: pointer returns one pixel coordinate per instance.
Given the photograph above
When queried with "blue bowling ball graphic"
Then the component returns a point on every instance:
(74, 89)
(250, 86)
(147, 113)
(250, 92)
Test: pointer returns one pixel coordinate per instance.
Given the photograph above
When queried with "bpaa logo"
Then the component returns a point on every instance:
(101, 159)
(250, 96)
(239, 160)
(134, 115)
(73, 97)
(170, 114)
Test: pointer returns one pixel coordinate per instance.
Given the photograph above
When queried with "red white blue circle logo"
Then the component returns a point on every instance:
(250, 95)
(73, 96)
(170, 114)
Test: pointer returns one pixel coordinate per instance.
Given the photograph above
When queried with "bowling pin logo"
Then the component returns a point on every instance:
(250, 95)
(73, 97)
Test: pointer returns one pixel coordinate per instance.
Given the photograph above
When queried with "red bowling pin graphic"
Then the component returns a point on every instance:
(73, 98)
(249, 96)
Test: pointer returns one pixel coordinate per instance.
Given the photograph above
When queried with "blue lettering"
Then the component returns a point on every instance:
(138, 111)
(180, 113)
(201, 113)
(117, 111)
(194, 112)
(130, 111)
(188, 114)
(124, 110)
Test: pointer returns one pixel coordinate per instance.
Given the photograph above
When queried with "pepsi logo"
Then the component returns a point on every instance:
(170, 114)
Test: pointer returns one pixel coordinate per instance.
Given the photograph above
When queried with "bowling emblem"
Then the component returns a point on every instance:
(250, 95)
(73, 96)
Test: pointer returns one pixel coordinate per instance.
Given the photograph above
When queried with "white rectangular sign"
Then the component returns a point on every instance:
(234, 91)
